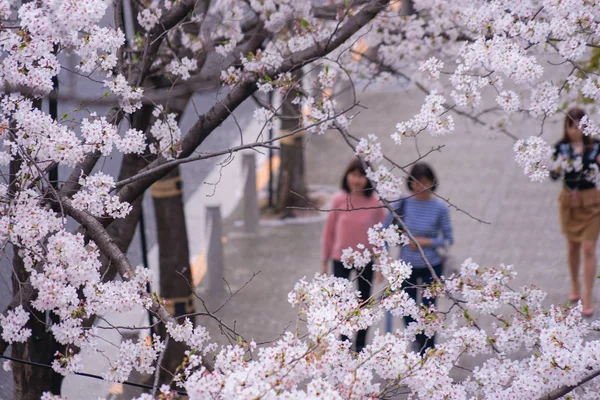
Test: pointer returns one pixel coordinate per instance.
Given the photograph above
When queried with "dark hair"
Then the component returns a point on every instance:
(418, 171)
(356, 165)
(573, 117)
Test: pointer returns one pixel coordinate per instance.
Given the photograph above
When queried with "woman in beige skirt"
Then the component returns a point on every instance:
(576, 158)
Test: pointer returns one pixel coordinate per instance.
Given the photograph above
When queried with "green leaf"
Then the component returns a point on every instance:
(304, 23)
(466, 315)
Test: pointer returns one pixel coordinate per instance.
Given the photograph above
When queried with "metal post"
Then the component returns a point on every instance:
(144, 249)
(408, 7)
(271, 157)
(214, 253)
(53, 110)
(251, 210)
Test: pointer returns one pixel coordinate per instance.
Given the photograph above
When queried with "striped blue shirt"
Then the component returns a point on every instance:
(427, 218)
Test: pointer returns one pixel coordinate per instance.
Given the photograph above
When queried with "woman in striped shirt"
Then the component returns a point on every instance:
(428, 219)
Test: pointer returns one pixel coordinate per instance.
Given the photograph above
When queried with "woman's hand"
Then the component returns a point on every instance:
(422, 241)
(324, 266)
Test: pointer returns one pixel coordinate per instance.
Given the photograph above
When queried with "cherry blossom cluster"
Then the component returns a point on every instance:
(99, 135)
(150, 16)
(67, 364)
(533, 155)
(121, 296)
(182, 67)
(431, 119)
(482, 288)
(95, 198)
(509, 101)
(140, 356)
(387, 183)
(25, 223)
(588, 126)
(358, 258)
(432, 67)
(36, 136)
(369, 149)
(166, 133)
(197, 337)
(29, 59)
(13, 325)
(544, 99)
(130, 99)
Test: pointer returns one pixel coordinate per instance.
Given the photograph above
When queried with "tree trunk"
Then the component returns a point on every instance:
(123, 230)
(291, 185)
(292, 190)
(176, 285)
(30, 381)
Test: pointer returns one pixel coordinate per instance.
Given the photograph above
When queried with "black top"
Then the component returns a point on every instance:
(579, 170)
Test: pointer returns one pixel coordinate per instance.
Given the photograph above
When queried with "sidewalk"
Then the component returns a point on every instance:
(477, 174)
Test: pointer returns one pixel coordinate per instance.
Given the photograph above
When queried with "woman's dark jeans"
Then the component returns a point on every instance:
(410, 287)
(365, 281)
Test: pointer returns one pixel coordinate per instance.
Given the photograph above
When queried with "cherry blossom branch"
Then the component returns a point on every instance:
(403, 169)
(98, 234)
(170, 20)
(84, 374)
(233, 334)
(560, 392)
(265, 143)
(154, 40)
(446, 105)
(218, 113)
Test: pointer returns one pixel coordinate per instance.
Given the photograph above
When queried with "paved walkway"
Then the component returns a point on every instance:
(477, 174)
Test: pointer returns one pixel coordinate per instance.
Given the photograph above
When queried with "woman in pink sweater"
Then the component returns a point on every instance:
(353, 211)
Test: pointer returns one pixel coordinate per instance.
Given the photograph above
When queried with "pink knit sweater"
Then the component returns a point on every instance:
(345, 229)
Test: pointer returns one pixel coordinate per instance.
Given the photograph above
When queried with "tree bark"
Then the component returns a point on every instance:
(123, 230)
(292, 191)
(222, 109)
(174, 260)
(291, 185)
(30, 381)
